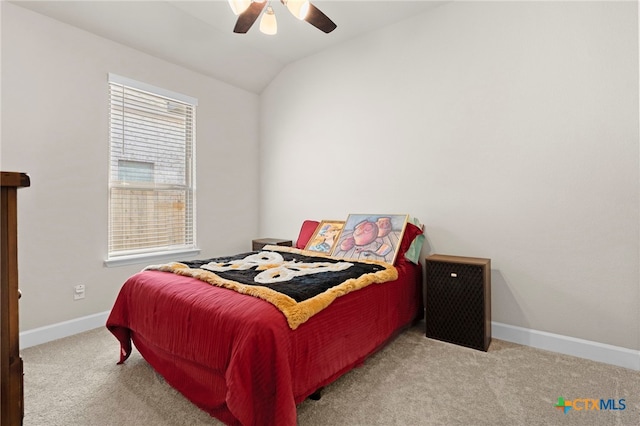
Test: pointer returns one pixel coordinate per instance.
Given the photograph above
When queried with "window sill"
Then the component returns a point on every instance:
(148, 258)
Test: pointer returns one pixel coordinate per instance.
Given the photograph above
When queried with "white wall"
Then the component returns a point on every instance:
(509, 128)
(55, 128)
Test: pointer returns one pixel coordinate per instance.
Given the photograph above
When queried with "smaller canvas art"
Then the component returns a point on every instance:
(325, 236)
(371, 237)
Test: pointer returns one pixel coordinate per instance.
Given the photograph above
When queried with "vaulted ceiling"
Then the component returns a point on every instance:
(199, 34)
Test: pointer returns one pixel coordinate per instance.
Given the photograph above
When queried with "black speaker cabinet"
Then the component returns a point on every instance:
(458, 300)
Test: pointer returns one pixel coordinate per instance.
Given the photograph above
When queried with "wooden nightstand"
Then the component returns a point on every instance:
(458, 300)
(261, 242)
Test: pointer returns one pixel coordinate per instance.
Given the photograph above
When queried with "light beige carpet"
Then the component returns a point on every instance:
(413, 381)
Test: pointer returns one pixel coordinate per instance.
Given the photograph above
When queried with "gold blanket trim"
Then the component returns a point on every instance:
(296, 313)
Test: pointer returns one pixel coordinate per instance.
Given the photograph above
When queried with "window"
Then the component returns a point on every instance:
(138, 171)
(152, 178)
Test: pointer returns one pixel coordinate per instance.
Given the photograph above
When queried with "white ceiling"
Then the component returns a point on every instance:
(199, 34)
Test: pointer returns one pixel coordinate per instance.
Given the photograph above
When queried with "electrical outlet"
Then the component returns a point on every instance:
(78, 292)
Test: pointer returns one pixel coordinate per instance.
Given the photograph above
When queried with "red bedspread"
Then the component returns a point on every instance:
(234, 355)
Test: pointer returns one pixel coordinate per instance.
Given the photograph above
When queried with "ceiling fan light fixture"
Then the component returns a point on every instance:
(298, 8)
(301, 9)
(268, 23)
(239, 6)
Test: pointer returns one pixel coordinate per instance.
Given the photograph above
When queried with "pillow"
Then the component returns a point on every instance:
(306, 232)
(411, 244)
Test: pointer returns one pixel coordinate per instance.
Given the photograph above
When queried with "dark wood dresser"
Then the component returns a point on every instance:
(11, 394)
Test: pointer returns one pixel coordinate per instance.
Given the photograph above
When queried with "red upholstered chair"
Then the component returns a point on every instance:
(306, 232)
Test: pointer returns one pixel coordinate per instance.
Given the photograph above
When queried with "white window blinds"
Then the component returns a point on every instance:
(152, 177)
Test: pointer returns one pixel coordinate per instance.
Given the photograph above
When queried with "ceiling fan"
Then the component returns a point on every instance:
(248, 12)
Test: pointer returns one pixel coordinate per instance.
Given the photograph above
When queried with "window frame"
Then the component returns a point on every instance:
(158, 252)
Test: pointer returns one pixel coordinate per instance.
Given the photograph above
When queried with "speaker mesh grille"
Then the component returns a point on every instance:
(455, 305)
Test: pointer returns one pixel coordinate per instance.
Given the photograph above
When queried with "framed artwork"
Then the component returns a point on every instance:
(325, 236)
(371, 237)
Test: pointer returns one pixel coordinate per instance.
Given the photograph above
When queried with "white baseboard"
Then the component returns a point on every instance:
(587, 349)
(38, 336)
(601, 352)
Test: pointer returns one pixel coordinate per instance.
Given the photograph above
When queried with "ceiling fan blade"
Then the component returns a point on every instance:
(319, 20)
(248, 17)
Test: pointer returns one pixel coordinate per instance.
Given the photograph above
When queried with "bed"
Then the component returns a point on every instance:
(242, 357)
